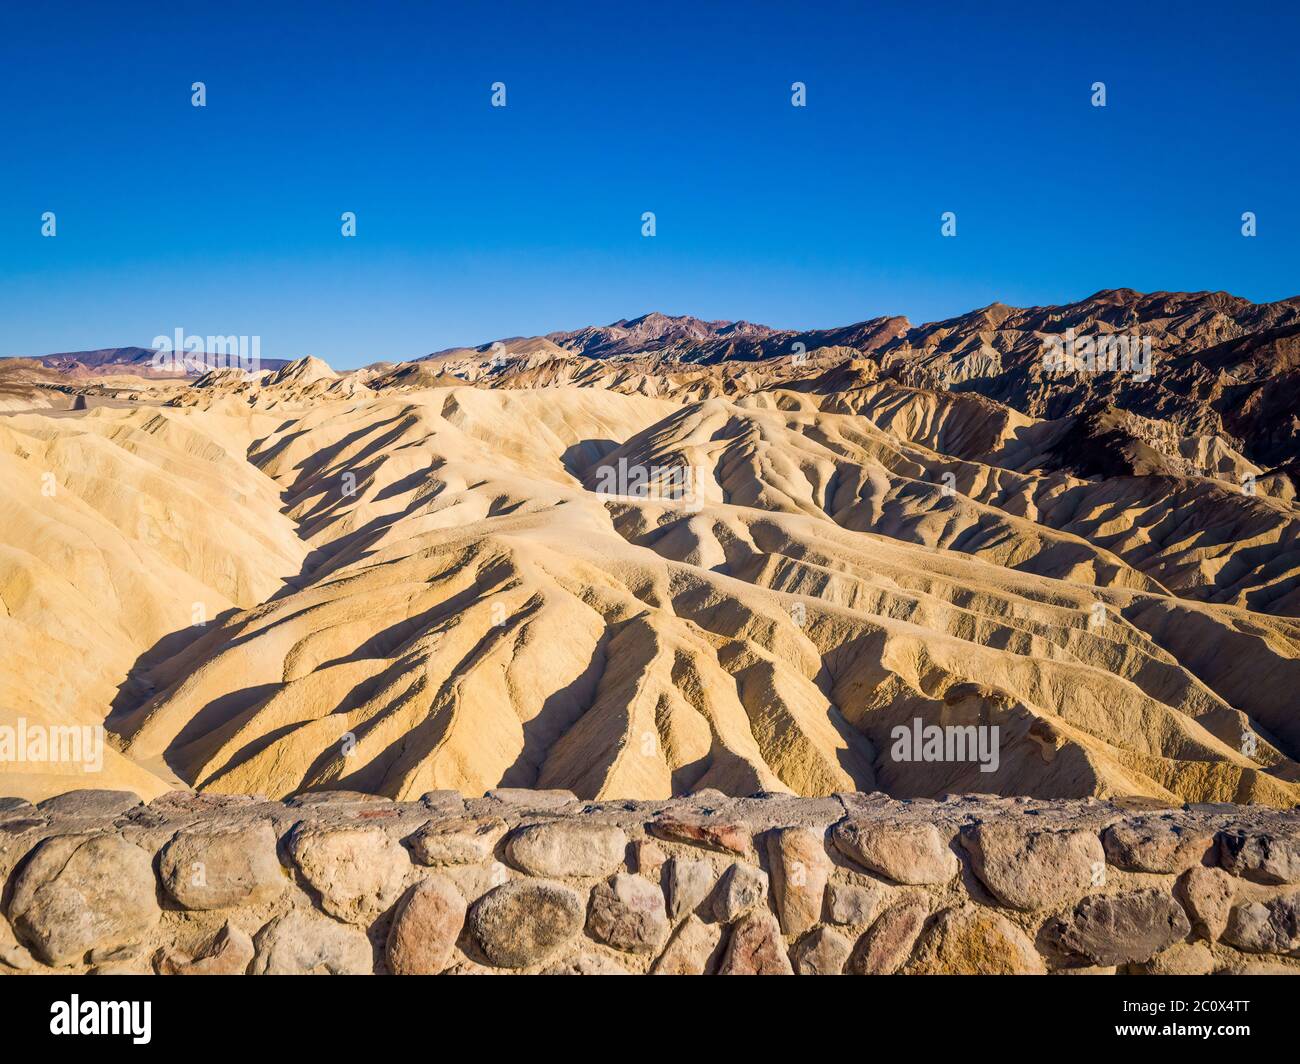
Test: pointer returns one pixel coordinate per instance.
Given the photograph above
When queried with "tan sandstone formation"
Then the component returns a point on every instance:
(448, 574)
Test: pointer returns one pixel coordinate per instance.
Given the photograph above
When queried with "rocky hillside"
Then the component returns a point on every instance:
(134, 361)
(1226, 367)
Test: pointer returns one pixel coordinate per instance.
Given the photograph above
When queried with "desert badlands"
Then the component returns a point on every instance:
(797, 596)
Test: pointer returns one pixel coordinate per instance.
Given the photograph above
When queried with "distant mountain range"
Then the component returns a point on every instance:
(687, 339)
(1194, 316)
(135, 360)
(1223, 365)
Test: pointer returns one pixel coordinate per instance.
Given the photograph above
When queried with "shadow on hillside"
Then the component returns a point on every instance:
(583, 455)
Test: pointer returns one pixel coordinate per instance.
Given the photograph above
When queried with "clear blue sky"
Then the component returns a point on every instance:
(477, 222)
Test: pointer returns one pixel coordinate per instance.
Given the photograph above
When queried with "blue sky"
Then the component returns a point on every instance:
(477, 222)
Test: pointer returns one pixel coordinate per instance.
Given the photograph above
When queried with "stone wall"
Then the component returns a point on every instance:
(537, 881)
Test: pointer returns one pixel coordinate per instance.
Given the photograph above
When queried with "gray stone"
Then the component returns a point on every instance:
(97, 804)
(459, 841)
(305, 943)
(428, 920)
(527, 798)
(743, 886)
(1035, 869)
(80, 893)
(1261, 856)
(822, 952)
(525, 922)
(178, 804)
(563, 848)
(1122, 928)
(1156, 846)
(220, 868)
(912, 853)
(443, 801)
(689, 883)
(857, 906)
(1206, 894)
(1266, 927)
(627, 913)
(359, 872)
(331, 799)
